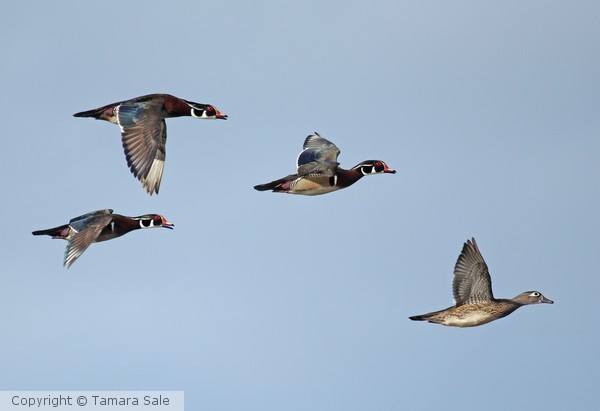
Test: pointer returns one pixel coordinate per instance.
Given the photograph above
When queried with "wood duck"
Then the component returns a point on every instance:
(472, 288)
(144, 130)
(99, 226)
(319, 171)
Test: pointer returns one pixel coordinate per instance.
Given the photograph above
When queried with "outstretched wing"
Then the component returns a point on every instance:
(319, 157)
(86, 236)
(144, 136)
(472, 282)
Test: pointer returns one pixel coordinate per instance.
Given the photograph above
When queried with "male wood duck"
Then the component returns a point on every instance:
(144, 130)
(99, 226)
(319, 172)
(472, 288)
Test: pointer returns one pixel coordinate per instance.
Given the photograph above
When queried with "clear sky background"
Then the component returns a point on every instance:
(262, 301)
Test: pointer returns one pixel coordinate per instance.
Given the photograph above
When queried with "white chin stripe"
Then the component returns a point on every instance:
(201, 116)
(146, 223)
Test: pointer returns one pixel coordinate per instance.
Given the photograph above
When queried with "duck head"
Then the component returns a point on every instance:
(205, 111)
(532, 297)
(153, 220)
(369, 167)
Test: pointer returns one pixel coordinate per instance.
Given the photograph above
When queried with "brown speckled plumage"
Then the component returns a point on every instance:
(472, 288)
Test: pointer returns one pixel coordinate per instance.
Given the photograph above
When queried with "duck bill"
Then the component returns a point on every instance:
(221, 116)
(168, 225)
(389, 170)
(547, 301)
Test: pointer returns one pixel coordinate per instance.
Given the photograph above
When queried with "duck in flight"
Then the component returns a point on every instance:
(472, 288)
(318, 171)
(144, 130)
(98, 226)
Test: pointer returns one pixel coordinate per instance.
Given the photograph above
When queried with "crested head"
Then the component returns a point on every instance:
(205, 111)
(369, 167)
(531, 297)
(152, 221)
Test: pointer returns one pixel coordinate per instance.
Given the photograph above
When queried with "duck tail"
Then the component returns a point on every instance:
(274, 185)
(265, 187)
(56, 232)
(423, 317)
(96, 113)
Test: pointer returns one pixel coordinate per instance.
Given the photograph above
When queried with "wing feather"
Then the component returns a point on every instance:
(472, 282)
(319, 157)
(85, 237)
(144, 137)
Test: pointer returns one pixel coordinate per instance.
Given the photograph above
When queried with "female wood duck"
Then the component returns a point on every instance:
(99, 226)
(472, 288)
(144, 130)
(319, 171)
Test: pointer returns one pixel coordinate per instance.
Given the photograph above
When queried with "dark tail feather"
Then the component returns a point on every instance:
(265, 187)
(95, 113)
(273, 185)
(419, 317)
(56, 232)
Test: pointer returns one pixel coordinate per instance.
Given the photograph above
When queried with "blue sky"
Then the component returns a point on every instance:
(261, 301)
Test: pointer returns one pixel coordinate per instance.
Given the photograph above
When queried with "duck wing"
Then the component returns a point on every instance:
(91, 229)
(472, 282)
(144, 137)
(319, 157)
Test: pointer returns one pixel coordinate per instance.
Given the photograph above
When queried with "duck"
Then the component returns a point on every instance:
(97, 226)
(318, 171)
(472, 288)
(144, 130)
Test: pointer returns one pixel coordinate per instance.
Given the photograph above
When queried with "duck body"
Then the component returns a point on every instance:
(144, 130)
(472, 288)
(319, 172)
(470, 315)
(313, 185)
(97, 226)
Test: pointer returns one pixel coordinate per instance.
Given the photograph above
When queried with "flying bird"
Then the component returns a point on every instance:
(144, 130)
(318, 171)
(98, 226)
(472, 288)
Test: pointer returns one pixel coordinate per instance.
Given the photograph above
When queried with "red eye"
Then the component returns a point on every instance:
(156, 218)
(378, 163)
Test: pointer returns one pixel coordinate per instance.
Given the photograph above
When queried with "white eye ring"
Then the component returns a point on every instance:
(535, 294)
